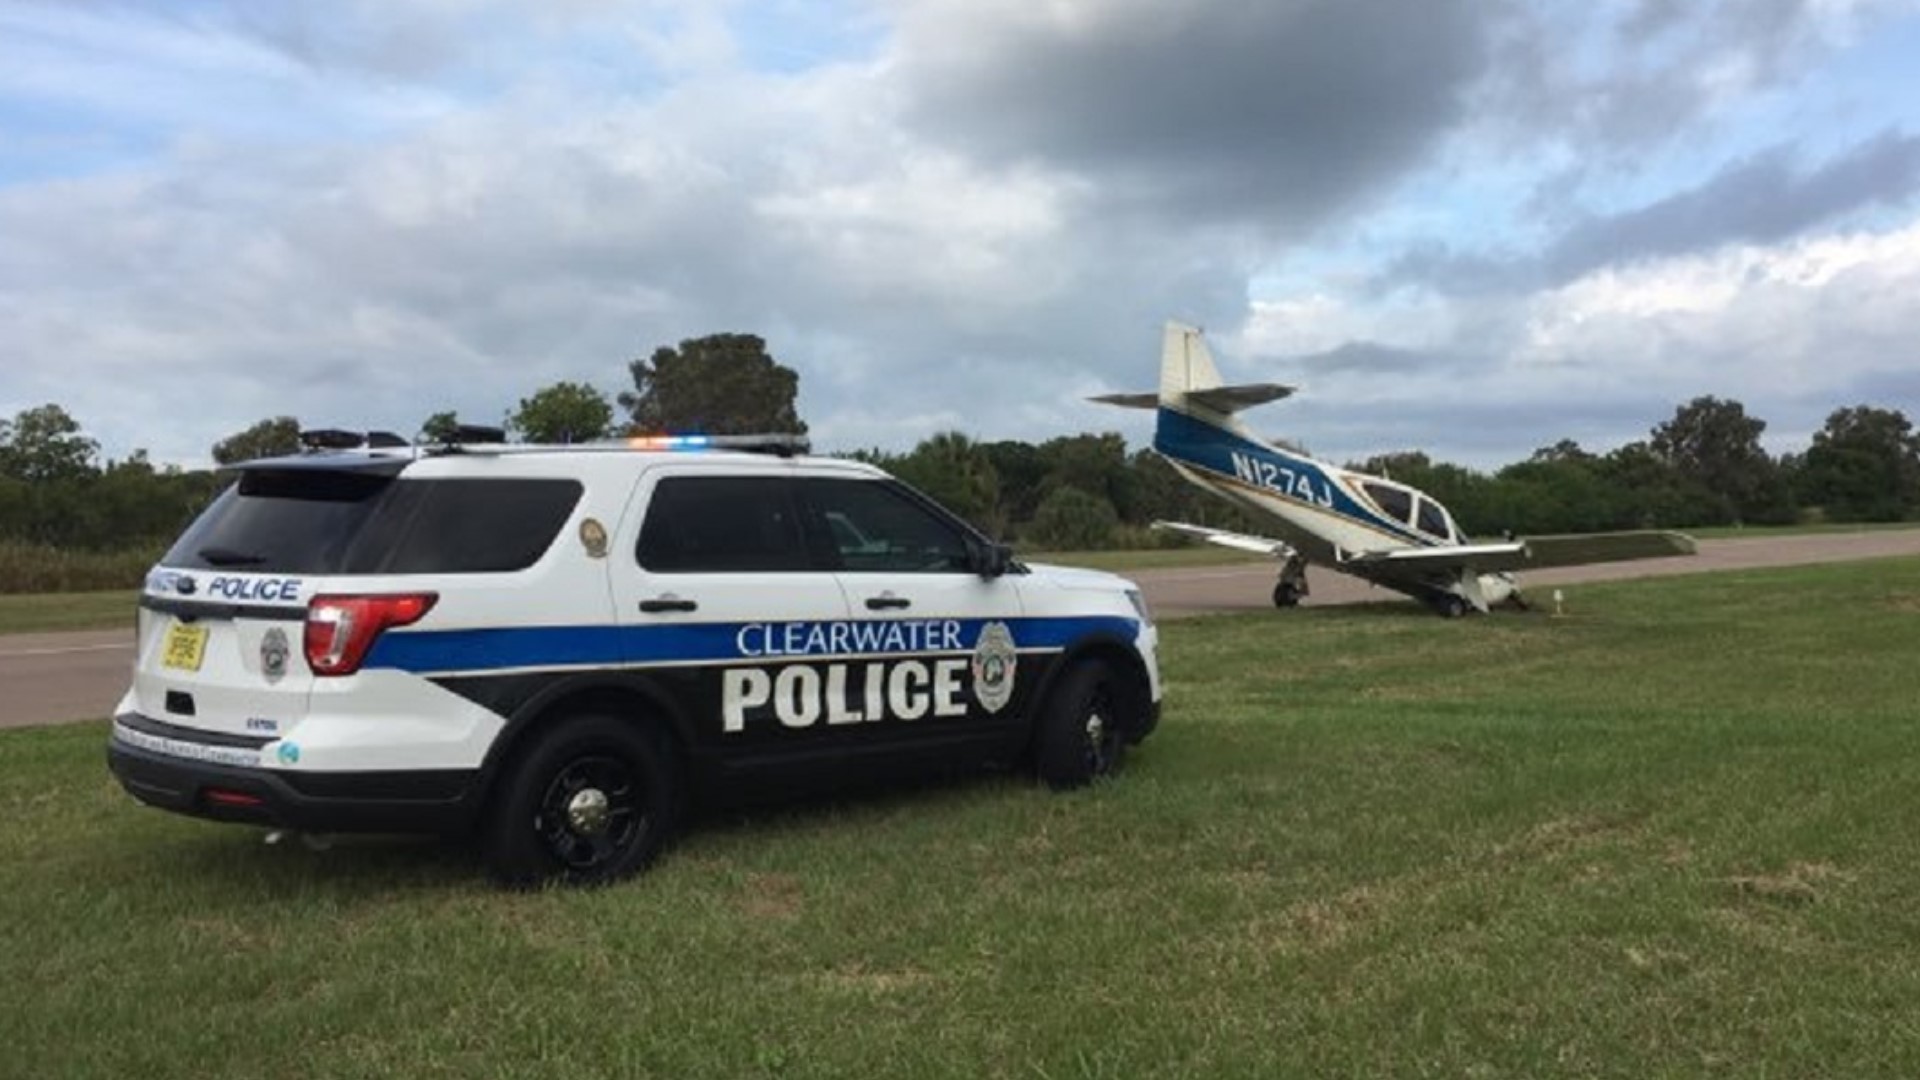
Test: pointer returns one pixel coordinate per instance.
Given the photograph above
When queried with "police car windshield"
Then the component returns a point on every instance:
(311, 521)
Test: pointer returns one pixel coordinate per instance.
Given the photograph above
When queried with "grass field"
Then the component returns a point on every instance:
(1670, 836)
(34, 612)
(1196, 555)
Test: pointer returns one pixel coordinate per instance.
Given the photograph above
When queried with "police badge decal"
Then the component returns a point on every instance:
(993, 665)
(273, 654)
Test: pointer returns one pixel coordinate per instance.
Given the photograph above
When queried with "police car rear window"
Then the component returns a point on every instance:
(317, 522)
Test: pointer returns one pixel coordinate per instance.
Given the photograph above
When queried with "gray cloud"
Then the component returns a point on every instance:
(1366, 358)
(974, 230)
(1283, 111)
(1759, 199)
(1611, 80)
(370, 286)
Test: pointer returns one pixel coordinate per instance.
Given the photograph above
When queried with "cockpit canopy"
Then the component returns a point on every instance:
(1412, 509)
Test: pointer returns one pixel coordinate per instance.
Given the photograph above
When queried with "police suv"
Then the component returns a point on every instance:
(554, 648)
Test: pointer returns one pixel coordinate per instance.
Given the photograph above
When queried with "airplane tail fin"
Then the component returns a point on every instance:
(1190, 383)
(1185, 363)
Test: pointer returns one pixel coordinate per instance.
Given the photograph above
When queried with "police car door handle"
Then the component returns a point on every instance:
(668, 602)
(886, 602)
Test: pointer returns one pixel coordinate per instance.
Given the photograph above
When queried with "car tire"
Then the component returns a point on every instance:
(1081, 735)
(590, 800)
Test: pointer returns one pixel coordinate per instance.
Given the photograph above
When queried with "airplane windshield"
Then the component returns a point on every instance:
(1433, 520)
(1396, 501)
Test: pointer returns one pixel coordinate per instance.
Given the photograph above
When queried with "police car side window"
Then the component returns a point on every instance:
(875, 527)
(723, 524)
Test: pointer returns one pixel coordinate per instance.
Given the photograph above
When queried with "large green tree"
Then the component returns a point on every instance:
(276, 437)
(959, 474)
(1070, 519)
(1097, 466)
(440, 427)
(721, 384)
(1716, 445)
(1864, 465)
(1654, 494)
(566, 412)
(45, 445)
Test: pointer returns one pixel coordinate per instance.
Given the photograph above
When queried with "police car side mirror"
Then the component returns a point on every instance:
(990, 560)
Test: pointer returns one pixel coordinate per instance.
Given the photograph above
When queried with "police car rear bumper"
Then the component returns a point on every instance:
(432, 801)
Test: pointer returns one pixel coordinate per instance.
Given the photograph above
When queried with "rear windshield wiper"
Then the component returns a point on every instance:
(220, 556)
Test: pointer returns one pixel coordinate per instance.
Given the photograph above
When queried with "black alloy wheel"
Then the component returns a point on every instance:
(590, 800)
(592, 810)
(1082, 732)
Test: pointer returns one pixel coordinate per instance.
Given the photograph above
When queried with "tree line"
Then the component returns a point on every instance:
(1703, 466)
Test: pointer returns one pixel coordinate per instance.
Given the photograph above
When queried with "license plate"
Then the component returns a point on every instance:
(186, 646)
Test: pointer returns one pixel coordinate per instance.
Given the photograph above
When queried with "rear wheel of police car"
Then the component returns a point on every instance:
(1082, 734)
(591, 800)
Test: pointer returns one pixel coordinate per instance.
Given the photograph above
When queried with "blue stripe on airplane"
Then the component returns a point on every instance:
(1197, 443)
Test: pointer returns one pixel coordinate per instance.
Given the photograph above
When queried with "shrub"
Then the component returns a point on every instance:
(37, 568)
(1069, 519)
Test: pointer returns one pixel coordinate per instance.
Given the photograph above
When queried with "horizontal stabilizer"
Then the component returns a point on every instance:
(1578, 550)
(1231, 399)
(1129, 401)
(1188, 379)
(1259, 545)
(1225, 400)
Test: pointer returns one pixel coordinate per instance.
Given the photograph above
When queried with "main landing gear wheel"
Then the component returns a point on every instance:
(1450, 606)
(1292, 587)
(590, 801)
(1081, 736)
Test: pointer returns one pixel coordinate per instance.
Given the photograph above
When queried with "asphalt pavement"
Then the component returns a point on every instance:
(56, 678)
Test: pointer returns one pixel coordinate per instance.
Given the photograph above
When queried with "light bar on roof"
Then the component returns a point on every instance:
(669, 442)
(783, 445)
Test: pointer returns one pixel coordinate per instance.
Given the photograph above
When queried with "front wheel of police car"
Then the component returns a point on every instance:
(1081, 735)
(589, 801)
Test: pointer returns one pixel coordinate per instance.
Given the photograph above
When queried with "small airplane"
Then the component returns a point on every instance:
(1371, 527)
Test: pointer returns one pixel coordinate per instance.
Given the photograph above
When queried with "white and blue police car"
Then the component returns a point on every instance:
(556, 648)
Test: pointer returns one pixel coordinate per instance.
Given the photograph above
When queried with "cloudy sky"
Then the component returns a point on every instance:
(1469, 226)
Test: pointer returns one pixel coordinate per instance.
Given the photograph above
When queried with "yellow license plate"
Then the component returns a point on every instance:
(186, 647)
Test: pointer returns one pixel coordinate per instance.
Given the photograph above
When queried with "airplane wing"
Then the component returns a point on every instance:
(1539, 552)
(1580, 549)
(1479, 558)
(1259, 545)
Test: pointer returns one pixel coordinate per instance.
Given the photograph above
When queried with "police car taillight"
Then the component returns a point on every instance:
(340, 629)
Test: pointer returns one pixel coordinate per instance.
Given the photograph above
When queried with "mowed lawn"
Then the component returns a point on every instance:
(42, 612)
(1672, 833)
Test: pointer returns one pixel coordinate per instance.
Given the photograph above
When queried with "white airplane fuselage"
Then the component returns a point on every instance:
(1371, 527)
(1329, 515)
